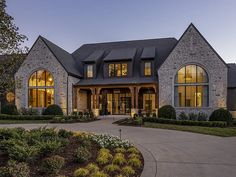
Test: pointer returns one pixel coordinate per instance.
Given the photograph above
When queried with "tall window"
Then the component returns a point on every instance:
(147, 69)
(118, 70)
(89, 71)
(41, 89)
(191, 87)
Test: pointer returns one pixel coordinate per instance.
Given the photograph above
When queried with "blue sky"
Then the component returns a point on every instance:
(71, 23)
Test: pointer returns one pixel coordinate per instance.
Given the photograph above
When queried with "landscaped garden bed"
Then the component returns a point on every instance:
(48, 152)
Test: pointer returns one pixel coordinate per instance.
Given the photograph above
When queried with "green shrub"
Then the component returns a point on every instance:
(64, 133)
(82, 155)
(119, 159)
(4, 172)
(50, 146)
(128, 171)
(9, 109)
(16, 169)
(135, 162)
(52, 165)
(10, 133)
(183, 116)
(81, 172)
(221, 115)
(112, 169)
(167, 111)
(92, 167)
(138, 121)
(22, 152)
(193, 116)
(53, 110)
(202, 116)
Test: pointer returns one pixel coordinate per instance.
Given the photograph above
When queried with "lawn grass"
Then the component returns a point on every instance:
(217, 131)
(23, 121)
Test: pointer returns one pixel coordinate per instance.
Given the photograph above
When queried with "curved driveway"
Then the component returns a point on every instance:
(168, 153)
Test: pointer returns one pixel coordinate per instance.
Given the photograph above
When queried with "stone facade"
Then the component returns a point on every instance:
(192, 48)
(40, 57)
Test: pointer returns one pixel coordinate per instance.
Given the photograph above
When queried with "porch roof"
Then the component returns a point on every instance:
(117, 81)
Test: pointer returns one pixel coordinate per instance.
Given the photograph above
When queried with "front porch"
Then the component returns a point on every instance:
(116, 100)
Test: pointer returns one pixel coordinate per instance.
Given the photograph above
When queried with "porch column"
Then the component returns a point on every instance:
(136, 97)
(74, 98)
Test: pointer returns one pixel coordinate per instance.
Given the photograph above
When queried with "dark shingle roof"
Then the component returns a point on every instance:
(96, 55)
(231, 75)
(148, 53)
(66, 59)
(120, 54)
(163, 47)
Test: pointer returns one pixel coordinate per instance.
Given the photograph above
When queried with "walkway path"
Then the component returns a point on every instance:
(169, 153)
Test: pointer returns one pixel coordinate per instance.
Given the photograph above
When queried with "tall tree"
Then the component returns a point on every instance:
(11, 50)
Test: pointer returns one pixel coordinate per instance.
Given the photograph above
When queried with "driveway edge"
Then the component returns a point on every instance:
(150, 163)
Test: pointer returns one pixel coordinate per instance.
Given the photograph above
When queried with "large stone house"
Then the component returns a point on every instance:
(125, 77)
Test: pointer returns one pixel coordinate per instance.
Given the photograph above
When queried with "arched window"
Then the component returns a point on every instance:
(191, 87)
(41, 89)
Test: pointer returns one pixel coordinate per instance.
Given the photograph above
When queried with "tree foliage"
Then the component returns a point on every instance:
(11, 49)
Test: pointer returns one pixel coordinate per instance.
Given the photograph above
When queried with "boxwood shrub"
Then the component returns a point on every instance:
(167, 112)
(53, 110)
(187, 122)
(9, 109)
(221, 115)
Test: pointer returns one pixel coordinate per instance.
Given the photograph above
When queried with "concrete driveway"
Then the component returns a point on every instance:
(168, 153)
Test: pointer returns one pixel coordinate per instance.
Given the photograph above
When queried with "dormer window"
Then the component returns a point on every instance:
(118, 70)
(89, 71)
(147, 68)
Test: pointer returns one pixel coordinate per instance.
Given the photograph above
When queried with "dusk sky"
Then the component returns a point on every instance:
(71, 23)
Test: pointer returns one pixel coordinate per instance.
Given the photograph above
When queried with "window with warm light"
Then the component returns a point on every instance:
(191, 87)
(118, 70)
(89, 71)
(41, 89)
(147, 69)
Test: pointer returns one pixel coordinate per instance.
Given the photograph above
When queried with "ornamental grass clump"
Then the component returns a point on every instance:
(119, 150)
(135, 162)
(99, 174)
(128, 171)
(133, 155)
(133, 150)
(119, 159)
(81, 172)
(92, 167)
(112, 169)
(104, 156)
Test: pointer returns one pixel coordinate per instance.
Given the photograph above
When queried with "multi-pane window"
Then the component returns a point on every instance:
(118, 69)
(41, 89)
(191, 87)
(147, 69)
(89, 71)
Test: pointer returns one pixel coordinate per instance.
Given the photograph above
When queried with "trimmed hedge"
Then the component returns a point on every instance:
(187, 122)
(10, 109)
(25, 117)
(167, 112)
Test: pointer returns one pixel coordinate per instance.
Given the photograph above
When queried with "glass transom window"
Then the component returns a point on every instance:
(41, 89)
(191, 87)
